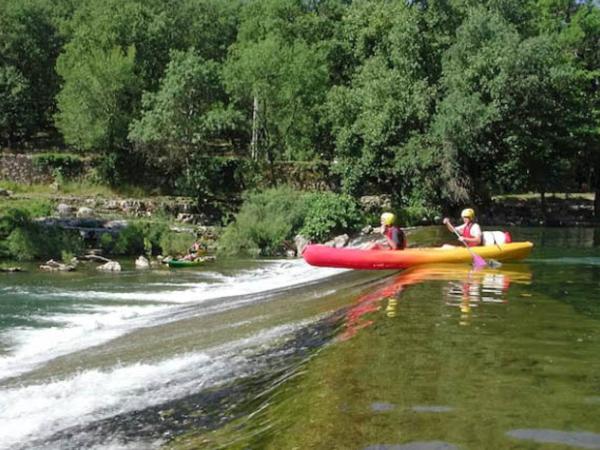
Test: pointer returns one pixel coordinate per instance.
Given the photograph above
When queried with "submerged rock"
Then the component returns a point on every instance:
(11, 269)
(54, 266)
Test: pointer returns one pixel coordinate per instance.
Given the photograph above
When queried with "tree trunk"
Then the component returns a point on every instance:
(254, 143)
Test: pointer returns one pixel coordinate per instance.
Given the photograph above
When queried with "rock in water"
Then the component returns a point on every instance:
(142, 263)
(112, 266)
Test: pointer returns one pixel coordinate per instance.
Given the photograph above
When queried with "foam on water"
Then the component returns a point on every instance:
(66, 333)
(275, 275)
(41, 410)
(89, 325)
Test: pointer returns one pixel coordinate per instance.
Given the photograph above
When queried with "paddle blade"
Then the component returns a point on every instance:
(494, 264)
(478, 261)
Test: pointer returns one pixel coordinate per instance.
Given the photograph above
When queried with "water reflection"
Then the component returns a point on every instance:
(467, 288)
(577, 439)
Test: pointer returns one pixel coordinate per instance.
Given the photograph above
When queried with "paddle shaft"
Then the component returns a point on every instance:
(475, 256)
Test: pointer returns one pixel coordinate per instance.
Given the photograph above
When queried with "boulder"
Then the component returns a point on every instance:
(301, 243)
(375, 203)
(5, 193)
(64, 210)
(341, 241)
(84, 211)
(142, 263)
(338, 241)
(111, 266)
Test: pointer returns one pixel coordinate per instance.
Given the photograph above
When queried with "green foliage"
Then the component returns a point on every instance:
(431, 102)
(29, 45)
(66, 164)
(29, 207)
(23, 239)
(15, 119)
(188, 111)
(281, 76)
(93, 103)
(211, 179)
(173, 243)
(266, 223)
(330, 214)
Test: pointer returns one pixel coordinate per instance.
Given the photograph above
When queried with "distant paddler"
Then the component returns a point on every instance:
(394, 236)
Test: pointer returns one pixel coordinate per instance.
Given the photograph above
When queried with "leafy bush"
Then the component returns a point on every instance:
(173, 243)
(211, 180)
(129, 241)
(266, 223)
(330, 214)
(60, 164)
(31, 208)
(36, 242)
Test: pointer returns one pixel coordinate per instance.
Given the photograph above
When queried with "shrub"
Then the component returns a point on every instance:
(266, 223)
(60, 164)
(32, 208)
(36, 242)
(330, 214)
(172, 243)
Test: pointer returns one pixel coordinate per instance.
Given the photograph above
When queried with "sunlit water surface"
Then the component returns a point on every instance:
(278, 354)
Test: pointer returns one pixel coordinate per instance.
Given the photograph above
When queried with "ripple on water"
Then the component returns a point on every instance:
(579, 439)
(382, 406)
(429, 445)
(432, 408)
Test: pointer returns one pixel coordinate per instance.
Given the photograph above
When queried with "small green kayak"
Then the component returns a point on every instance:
(177, 263)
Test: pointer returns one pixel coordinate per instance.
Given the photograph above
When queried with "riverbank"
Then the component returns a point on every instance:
(563, 210)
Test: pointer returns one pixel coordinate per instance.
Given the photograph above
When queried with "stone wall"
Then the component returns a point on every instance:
(20, 169)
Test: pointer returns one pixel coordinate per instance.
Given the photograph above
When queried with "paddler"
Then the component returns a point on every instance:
(469, 231)
(394, 236)
(194, 252)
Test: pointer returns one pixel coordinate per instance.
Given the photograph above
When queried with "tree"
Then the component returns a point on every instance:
(94, 102)
(388, 98)
(279, 78)
(187, 114)
(15, 118)
(510, 108)
(29, 45)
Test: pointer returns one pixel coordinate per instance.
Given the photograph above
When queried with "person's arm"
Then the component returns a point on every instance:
(451, 227)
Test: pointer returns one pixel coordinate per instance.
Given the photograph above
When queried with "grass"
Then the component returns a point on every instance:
(83, 189)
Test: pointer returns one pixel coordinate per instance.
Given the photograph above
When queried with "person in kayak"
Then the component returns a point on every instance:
(194, 252)
(394, 236)
(469, 231)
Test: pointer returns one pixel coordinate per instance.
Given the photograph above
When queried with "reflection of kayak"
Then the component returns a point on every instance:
(177, 263)
(464, 275)
(354, 258)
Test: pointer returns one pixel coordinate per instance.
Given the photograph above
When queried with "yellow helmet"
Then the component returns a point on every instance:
(387, 218)
(469, 213)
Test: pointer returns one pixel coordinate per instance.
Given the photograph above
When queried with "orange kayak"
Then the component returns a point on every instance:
(355, 258)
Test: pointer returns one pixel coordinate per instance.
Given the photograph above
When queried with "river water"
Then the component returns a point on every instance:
(278, 354)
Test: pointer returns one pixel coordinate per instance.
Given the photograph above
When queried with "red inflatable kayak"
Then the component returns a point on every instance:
(355, 258)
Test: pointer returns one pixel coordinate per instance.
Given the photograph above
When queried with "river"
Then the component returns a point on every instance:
(278, 354)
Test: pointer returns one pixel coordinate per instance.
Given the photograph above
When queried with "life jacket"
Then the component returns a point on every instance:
(389, 231)
(466, 232)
